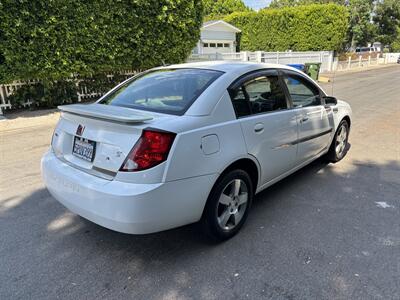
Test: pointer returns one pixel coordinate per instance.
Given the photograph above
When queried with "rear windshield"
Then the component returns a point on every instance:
(169, 91)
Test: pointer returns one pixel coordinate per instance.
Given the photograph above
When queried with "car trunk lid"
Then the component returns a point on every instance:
(112, 131)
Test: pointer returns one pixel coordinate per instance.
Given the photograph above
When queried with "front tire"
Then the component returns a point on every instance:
(228, 205)
(339, 146)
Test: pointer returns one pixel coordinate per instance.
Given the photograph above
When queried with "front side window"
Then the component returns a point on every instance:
(169, 91)
(302, 92)
(258, 95)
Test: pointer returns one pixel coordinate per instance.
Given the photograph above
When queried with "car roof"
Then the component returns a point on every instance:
(238, 67)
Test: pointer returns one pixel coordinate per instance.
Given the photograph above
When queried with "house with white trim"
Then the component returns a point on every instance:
(216, 36)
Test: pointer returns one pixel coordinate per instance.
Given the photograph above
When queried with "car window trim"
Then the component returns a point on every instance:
(238, 82)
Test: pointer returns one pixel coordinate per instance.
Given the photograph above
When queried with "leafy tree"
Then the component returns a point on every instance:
(223, 7)
(387, 20)
(361, 30)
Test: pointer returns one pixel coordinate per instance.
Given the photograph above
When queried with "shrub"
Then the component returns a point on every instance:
(51, 40)
(302, 28)
(45, 94)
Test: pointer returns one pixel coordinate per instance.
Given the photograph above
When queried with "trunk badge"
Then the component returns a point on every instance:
(80, 129)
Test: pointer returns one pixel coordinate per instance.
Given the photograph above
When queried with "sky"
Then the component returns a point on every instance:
(257, 4)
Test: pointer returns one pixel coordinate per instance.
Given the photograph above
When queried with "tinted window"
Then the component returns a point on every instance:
(258, 95)
(240, 103)
(168, 91)
(302, 92)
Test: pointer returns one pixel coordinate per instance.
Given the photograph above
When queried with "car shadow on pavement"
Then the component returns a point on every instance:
(290, 186)
(280, 214)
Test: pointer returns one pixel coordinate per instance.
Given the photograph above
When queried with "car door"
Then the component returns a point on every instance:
(268, 124)
(315, 127)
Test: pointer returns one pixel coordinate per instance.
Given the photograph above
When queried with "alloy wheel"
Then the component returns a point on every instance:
(341, 141)
(232, 204)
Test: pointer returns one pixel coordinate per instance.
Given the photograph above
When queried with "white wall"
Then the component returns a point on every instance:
(217, 35)
(391, 57)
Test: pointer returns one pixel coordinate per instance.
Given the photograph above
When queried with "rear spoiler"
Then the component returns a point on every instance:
(106, 112)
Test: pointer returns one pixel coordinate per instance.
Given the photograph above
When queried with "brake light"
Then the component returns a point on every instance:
(151, 149)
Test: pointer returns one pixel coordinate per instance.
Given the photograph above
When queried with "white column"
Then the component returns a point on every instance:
(2, 101)
(244, 53)
(258, 56)
(330, 61)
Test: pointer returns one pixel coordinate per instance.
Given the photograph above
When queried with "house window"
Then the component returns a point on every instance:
(219, 45)
(212, 45)
(226, 45)
(205, 45)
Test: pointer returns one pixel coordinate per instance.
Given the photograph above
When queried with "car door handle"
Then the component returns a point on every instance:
(259, 127)
(304, 119)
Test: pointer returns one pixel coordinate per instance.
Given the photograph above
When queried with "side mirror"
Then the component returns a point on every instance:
(329, 100)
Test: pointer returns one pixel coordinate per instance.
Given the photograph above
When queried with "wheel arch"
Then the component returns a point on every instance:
(248, 165)
(347, 119)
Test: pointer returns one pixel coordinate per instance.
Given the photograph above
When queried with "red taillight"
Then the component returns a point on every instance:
(150, 150)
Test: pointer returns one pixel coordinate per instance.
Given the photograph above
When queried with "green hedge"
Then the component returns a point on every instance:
(50, 40)
(301, 28)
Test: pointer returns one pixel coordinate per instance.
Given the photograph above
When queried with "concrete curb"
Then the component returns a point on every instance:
(323, 79)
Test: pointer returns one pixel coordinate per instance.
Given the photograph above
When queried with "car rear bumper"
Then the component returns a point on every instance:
(126, 207)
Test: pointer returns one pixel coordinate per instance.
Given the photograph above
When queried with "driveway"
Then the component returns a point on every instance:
(326, 232)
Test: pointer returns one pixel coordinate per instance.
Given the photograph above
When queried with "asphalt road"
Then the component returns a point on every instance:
(319, 234)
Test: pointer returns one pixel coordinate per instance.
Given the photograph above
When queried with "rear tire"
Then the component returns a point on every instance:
(227, 206)
(339, 146)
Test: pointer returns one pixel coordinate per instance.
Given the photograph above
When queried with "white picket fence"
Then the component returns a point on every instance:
(83, 92)
(391, 58)
(7, 89)
(323, 57)
(364, 62)
(328, 62)
(357, 63)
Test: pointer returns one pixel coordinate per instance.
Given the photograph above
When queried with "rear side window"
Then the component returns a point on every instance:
(170, 91)
(258, 95)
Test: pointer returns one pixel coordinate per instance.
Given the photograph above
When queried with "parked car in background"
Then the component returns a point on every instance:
(191, 142)
(398, 60)
(362, 50)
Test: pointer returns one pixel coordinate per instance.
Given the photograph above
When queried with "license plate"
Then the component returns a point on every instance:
(84, 148)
